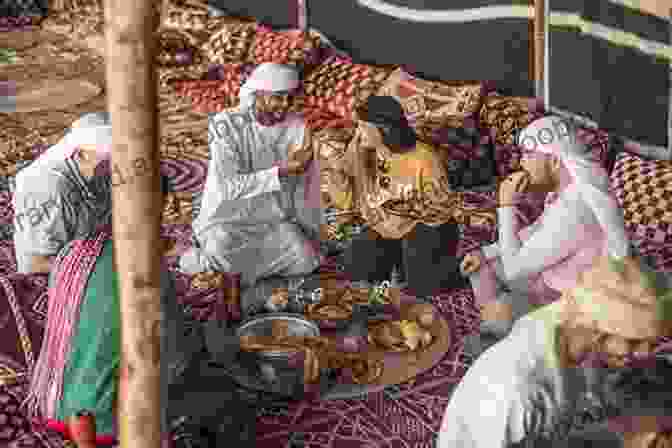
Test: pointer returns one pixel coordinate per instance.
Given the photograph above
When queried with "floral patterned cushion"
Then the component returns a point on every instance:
(340, 86)
(287, 47)
(172, 43)
(213, 95)
(643, 188)
(318, 119)
(431, 106)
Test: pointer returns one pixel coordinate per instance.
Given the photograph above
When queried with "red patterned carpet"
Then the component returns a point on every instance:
(404, 415)
(407, 415)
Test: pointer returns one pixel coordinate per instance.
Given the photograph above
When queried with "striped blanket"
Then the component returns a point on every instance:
(79, 360)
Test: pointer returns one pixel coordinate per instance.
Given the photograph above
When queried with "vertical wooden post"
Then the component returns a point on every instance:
(669, 98)
(547, 55)
(302, 15)
(137, 204)
(539, 46)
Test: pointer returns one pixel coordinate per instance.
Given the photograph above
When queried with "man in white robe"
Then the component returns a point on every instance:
(526, 387)
(256, 219)
(531, 265)
(521, 393)
(64, 194)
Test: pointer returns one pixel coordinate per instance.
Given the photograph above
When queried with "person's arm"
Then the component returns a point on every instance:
(610, 216)
(339, 177)
(41, 264)
(304, 152)
(41, 224)
(491, 251)
(225, 170)
(552, 243)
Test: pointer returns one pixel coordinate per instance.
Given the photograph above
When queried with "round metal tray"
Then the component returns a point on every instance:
(299, 326)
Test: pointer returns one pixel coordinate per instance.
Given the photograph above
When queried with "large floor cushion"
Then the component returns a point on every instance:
(431, 106)
(644, 190)
(340, 86)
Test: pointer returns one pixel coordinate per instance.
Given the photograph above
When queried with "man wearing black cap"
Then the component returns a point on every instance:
(400, 187)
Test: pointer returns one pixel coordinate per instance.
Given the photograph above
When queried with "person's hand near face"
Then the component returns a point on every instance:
(471, 263)
(371, 136)
(512, 186)
(299, 158)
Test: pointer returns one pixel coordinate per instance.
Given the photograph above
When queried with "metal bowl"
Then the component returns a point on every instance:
(298, 326)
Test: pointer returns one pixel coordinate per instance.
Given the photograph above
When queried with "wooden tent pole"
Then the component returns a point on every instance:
(539, 46)
(137, 206)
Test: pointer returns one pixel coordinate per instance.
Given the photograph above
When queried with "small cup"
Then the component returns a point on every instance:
(268, 373)
(316, 295)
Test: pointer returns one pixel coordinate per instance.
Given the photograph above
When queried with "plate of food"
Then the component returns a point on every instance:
(337, 306)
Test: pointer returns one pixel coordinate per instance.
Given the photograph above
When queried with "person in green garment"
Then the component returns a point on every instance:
(78, 367)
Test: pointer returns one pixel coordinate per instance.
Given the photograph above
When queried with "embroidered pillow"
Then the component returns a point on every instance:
(286, 47)
(506, 115)
(643, 188)
(431, 105)
(231, 43)
(340, 86)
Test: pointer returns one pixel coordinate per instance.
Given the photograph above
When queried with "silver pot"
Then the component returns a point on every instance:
(278, 367)
(263, 326)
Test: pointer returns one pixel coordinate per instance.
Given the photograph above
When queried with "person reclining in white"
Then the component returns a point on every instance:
(258, 218)
(531, 265)
(584, 371)
(524, 388)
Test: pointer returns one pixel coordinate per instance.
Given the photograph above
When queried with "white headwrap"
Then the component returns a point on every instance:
(90, 129)
(554, 135)
(267, 77)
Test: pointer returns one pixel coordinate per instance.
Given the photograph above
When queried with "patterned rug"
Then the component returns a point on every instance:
(407, 415)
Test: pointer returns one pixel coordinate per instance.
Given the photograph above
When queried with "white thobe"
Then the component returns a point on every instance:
(492, 402)
(561, 244)
(493, 399)
(566, 229)
(250, 222)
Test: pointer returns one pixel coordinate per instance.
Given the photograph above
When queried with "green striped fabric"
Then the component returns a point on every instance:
(90, 378)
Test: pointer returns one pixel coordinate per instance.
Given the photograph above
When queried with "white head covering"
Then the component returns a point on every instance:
(554, 135)
(90, 129)
(268, 77)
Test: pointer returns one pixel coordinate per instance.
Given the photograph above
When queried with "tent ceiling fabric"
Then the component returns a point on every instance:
(590, 41)
(475, 39)
(620, 59)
